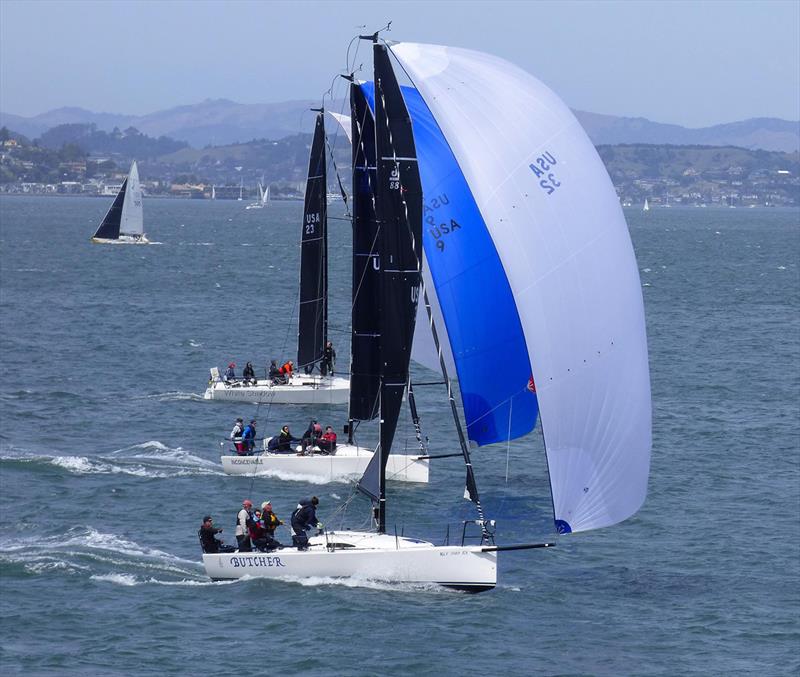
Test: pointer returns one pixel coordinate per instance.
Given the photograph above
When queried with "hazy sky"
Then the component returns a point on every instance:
(690, 63)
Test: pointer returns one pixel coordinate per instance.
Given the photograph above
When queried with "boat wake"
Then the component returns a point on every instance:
(300, 477)
(150, 459)
(366, 583)
(85, 551)
(172, 396)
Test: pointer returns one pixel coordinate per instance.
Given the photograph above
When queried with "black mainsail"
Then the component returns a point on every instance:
(365, 336)
(398, 206)
(313, 323)
(109, 226)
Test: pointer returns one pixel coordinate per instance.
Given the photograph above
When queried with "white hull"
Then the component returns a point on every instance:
(349, 462)
(301, 390)
(364, 555)
(123, 239)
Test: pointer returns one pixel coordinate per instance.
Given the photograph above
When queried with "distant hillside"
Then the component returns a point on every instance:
(685, 163)
(219, 122)
(757, 133)
(128, 143)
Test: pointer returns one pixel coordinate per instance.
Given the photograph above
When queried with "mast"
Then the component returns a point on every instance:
(398, 200)
(313, 320)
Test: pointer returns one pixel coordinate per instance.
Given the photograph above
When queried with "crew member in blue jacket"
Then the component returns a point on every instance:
(249, 438)
(304, 518)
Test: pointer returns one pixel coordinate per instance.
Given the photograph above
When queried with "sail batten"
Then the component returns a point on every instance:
(554, 218)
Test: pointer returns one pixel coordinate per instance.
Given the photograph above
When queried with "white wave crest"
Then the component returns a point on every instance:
(172, 396)
(82, 465)
(368, 583)
(119, 579)
(299, 477)
(83, 549)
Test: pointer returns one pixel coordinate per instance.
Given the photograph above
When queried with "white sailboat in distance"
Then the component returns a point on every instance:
(124, 221)
(263, 198)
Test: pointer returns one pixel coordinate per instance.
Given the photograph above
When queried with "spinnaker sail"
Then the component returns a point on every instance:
(552, 214)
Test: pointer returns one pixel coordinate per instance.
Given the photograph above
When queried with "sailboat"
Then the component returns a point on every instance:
(542, 248)
(124, 223)
(646, 207)
(263, 198)
(350, 460)
(304, 387)
(241, 188)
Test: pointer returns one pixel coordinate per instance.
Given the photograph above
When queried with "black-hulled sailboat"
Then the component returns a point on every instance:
(304, 387)
(124, 221)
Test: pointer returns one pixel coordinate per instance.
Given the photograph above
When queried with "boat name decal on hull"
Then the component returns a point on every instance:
(256, 561)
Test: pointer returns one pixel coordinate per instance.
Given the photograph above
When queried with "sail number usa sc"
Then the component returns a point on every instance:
(542, 167)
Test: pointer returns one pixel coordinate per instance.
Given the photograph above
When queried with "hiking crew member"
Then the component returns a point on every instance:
(304, 518)
(249, 438)
(286, 371)
(230, 375)
(327, 443)
(283, 442)
(236, 435)
(269, 518)
(249, 374)
(311, 436)
(274, 373)
(328, 360)
(208, 540)
(242, 529)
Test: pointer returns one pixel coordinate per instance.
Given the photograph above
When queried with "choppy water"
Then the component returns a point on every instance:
(108, 459)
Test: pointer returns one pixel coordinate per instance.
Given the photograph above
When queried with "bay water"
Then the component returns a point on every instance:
(109, 457)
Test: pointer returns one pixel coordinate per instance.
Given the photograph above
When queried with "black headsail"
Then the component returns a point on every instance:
(313, 325)
(398, 201)
(365, 340)
(109, 226)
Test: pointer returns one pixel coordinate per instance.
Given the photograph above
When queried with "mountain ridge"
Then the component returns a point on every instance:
(222, 121)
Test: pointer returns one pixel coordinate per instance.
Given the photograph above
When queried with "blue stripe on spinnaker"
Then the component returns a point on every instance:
(474, 294)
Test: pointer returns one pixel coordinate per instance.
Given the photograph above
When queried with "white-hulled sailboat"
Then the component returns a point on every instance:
(124, 221)
(263, 198)
(536, 241)
(304, 387)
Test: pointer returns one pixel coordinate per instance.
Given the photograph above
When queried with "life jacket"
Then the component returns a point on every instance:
(286, 369)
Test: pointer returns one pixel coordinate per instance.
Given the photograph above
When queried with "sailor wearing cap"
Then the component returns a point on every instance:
(269, 518)
(236, 435)
(242, 530)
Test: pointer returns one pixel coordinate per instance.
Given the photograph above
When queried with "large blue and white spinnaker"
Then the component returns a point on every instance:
(535, 277)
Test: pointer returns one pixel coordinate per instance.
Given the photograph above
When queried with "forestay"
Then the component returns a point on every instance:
(555, 221)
